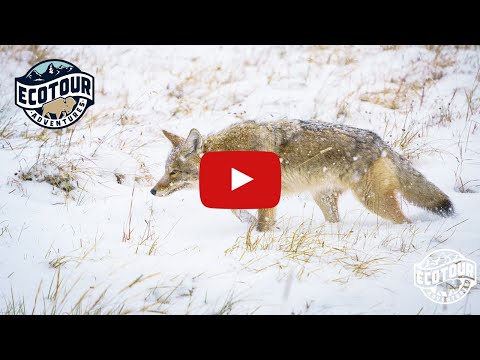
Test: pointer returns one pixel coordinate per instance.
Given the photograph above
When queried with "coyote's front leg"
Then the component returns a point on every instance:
(266, 219)
(244, 216)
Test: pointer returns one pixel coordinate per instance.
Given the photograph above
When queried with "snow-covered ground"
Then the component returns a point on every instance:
(80, 232)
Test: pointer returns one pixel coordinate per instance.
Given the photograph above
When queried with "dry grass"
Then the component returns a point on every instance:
(406, 141)
(4, 229)
(313, 247)
(195, 90)
(35, 53)
(390, 47)
(58, 174)
(402, 91)
(61, 179)
(396, 95)
(63, 294)
(470, 127)
(55, 163)
(39, 53)
(57, 298)
(444, 55)
(409, 137)
(343, 107)
(128, 230)
(37, 135)
(446, 116)
(143, 176)
(228, 305)
(148, 239)
(6, 129)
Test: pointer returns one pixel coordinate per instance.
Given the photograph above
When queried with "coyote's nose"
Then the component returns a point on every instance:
(153, 191)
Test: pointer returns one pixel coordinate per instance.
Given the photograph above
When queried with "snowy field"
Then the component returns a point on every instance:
(80, 232)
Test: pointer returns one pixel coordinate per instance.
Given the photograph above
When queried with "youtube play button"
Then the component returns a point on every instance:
(240, 179)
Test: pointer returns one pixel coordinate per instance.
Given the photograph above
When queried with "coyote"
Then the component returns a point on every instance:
(322, 158)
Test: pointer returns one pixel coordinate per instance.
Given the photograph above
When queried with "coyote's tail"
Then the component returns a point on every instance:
(416, 189)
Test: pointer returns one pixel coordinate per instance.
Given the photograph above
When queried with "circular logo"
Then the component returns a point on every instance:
(445, 276)
(54, 93)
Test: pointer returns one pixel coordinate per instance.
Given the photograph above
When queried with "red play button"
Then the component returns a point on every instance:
(240, 179)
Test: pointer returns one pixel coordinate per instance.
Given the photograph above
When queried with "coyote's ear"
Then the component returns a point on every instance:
(174, 139)
(194, 142)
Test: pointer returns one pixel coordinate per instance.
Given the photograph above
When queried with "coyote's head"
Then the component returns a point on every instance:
(181, 167)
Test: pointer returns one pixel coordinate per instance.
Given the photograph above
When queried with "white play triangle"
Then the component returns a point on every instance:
(239, 179)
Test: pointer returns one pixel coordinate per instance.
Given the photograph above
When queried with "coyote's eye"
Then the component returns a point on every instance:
(174, 172)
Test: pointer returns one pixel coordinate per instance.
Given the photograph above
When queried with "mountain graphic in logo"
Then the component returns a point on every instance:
(54, 93)
(50, 73)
